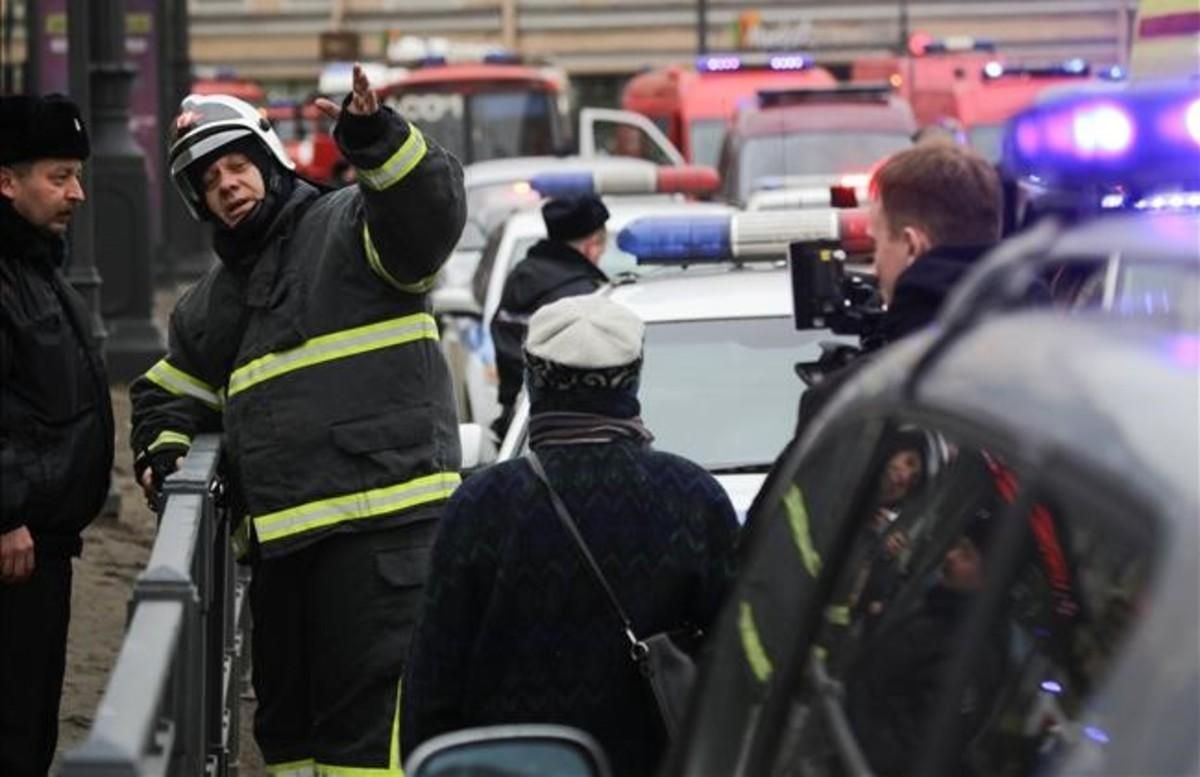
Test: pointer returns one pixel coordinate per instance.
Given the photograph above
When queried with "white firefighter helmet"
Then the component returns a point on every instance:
(205, 124)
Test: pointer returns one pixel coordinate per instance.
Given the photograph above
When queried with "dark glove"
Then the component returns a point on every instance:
(161, 463)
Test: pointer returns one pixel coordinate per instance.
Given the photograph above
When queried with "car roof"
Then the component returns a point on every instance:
(519, 168)
(1158, 237)
(894, 115)
(709, 292)
(1079, 384)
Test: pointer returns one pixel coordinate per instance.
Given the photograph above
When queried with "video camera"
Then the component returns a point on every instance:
(826, 296)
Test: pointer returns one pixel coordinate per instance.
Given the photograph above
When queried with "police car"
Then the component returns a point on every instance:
(629, 191)
(1024, 601)
(718, 382)
(497, 187)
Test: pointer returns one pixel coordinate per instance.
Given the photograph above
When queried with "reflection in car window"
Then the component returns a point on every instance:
(918, 565)
(788, 545)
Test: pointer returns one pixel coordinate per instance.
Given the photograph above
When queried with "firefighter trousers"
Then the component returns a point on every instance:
(332, 626)
(33, 657)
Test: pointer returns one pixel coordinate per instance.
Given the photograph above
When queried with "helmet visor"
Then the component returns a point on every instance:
(198, 144)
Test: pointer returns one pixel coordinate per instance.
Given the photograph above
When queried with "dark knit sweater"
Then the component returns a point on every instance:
(515, 628)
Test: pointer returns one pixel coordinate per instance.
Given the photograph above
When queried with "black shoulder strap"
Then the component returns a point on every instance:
(589, 560)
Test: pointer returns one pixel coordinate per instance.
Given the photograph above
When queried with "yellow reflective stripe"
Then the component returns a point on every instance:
(394, 748)
(305, 768)
(336, 345)
(797, 515)
(393, 768)
(169, 438)
(399, 165)
(838, 614)
(416, 287)
(351, 507)
(174, 380)
(760, 664)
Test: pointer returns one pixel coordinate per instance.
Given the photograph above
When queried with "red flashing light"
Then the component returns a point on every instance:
(688, 179)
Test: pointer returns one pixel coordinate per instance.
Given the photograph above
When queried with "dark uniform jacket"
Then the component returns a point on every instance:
(516, 629)
(321, 359)
(920, 291)
(56, 424)
(550, 271)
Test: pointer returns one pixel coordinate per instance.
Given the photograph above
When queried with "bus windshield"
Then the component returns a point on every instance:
(484, 125)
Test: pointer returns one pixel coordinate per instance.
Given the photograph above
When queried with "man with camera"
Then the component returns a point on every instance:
(936, 209)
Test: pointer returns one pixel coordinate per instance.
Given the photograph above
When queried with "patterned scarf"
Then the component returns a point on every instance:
(567, 428)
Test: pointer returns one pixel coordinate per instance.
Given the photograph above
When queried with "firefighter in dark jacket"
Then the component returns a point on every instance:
(562, 265)
(56, 425)
(311, 345)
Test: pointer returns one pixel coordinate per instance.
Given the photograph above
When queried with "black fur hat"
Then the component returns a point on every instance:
(47, 127)
(570, 218)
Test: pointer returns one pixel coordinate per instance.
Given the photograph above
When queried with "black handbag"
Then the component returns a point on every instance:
(669, 671)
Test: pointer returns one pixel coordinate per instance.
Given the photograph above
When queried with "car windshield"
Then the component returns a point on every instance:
(987, 139)
(813, 153)
(737, 375)
(707, 137)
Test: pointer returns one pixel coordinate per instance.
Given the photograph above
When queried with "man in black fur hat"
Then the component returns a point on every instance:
(56, 427)
(565, 264)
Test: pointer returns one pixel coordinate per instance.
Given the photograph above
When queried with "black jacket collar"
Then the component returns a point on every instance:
(21, 240)
(561, 252)
(923, 287)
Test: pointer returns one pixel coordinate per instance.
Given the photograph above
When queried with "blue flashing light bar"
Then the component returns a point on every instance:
(564, 184)
(1143, 138)
(733, 62)
(1070, 68)
(678, 239)
(501, 58)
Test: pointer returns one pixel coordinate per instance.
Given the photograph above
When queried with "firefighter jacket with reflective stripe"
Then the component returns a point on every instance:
(56, 423)
(320, 361)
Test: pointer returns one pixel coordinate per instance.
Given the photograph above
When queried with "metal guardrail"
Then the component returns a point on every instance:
(171, 705)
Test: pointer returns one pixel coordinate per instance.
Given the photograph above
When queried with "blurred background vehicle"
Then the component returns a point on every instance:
(800, 138)
(694, 105)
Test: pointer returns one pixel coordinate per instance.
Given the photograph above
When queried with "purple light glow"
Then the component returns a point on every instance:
(1191, 119)
(1102, 130)
(1049, 686)
(1028, 137)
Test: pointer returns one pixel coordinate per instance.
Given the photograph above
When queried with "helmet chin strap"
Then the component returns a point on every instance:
(241, 242)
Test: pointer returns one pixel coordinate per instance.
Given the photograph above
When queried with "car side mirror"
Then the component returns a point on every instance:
(511, 751)
(478, 449)
(455, 301)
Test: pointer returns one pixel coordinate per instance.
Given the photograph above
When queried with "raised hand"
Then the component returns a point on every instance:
(363, 103)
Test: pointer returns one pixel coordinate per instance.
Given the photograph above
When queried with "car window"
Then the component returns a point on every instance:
(615, 138)
(947, 559)
(707, 136)
(483, 271)
(813, 153)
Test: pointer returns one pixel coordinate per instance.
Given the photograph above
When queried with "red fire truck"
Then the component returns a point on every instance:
(693, 106)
